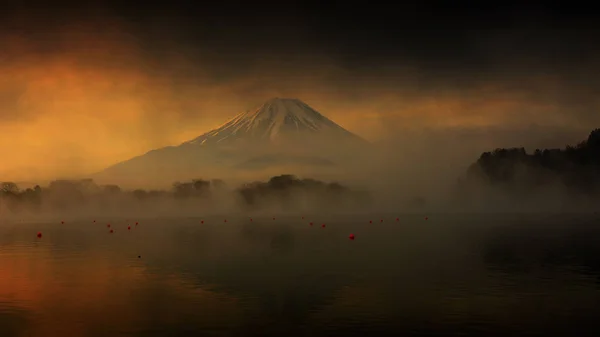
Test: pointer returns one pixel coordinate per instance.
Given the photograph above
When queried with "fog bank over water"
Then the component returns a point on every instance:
(417, 171)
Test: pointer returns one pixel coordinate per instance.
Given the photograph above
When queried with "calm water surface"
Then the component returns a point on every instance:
(480, 275)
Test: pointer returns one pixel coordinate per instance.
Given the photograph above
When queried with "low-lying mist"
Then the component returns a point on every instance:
(279, 195)
(483, 170)
(417, 172)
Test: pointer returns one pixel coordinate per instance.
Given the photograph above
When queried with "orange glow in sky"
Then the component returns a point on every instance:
(95, 100)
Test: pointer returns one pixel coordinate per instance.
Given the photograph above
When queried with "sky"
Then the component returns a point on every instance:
(85, 85)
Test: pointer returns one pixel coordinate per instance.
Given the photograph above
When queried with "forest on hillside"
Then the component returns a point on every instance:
(575, 169)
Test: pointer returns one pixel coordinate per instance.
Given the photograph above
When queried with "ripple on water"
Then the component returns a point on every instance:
(265, 279)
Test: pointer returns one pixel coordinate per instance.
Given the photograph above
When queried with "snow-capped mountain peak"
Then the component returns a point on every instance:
(282, 133)
(275, 119)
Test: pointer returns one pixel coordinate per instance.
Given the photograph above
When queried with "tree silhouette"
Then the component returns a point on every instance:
(284, 189)
(112, 189)
(9, 187)
(575, 167)
(68, 195)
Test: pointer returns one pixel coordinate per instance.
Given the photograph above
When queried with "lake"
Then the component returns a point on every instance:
(468, 275)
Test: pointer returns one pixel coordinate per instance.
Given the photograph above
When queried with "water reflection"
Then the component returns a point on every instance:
(289, 279)
(72, 296)
(13, 320)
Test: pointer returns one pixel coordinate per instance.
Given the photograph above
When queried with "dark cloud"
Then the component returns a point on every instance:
(446, 43)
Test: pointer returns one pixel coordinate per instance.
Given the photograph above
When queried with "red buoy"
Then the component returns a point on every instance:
(111, 231)
(62, 222)
(136, 223)
(311, 223)
(397, 219)
(370, 221)
(108, 225)
(426, 218)
(302, 218)
(323, 226)
(250, 219)
(39, 235)
(128, 227)
(202, 221)
(225, 220)
(381, 220)
(273, 218)
(94, 221)
(351, 236)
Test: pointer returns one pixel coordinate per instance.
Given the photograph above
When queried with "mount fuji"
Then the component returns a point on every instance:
(277, 119)
(281, 133)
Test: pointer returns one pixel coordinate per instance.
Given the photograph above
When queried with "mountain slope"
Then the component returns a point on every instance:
(284, 132)
(284, 159)
(277, 119)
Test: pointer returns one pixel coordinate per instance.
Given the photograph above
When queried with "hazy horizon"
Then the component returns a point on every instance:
(462, 145)
(85, 87)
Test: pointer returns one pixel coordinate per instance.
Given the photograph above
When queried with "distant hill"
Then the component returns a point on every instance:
(576, 168)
